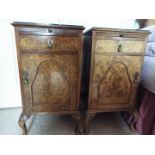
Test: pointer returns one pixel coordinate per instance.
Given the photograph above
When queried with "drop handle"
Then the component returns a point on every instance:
(136, 75)
(121, 35)
(25, 77)
(50, 30)
(119, 49)
(50, 43)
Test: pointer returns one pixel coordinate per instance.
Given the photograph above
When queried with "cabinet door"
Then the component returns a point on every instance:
(114, 81)
(50, 82)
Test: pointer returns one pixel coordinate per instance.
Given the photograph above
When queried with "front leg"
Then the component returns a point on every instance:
(22, 124)
(77, 118)
(134, 113)
(87, 119)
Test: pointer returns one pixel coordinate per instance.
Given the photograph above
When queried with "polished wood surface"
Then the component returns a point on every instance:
(121, 46)
(112, 80)
(45, 25)
(50, 63)
(116, 58)
(48, 43)
(52, 81)
(124, 32)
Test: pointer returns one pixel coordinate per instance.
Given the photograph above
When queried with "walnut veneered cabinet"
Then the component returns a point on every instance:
(113, 63)
(50, 61)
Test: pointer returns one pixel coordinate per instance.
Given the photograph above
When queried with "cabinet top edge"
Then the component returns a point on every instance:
(31, 24)
(99, 29)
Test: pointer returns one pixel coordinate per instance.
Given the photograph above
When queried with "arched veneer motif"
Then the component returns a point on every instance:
(115, 85)
(50, 86)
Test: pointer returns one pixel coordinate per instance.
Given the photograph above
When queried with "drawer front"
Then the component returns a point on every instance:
(120, 46)
(48, 31)
(48, 43)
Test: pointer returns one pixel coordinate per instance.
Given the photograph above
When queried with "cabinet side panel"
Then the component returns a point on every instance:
(25, 108)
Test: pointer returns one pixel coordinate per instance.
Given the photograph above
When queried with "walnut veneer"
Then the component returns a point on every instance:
(113, 63)
(49, 59)
(50, 66)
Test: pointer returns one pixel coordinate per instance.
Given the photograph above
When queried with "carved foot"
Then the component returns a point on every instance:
(77, 118)
(22, 124)
(87, 119)
(134, 113)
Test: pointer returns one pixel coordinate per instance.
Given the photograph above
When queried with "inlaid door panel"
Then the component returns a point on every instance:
(50, 82)
(112, 80)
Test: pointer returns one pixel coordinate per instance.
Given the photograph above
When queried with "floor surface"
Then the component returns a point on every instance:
(102, 124)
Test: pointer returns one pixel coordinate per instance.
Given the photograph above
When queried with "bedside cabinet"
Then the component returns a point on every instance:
(113, 63)
(49, 60)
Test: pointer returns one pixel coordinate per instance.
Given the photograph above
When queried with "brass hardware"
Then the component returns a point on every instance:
(50, 43)
(119, 48)
(151, 51)
(25, 77)
(136, 76)
(121, 35)
(50, 30)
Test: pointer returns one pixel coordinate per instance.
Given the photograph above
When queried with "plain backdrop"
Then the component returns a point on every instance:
(89, 12)
(75, 12)
(9, 79)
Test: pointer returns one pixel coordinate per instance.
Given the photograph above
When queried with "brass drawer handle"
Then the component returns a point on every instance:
(119, 48)
(121, 35)
(25, 77)
(50, 30)
(136, 75)
(50, 43)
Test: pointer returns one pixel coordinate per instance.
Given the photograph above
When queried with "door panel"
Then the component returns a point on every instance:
(52, 81)
(50, 84)
(112, 81)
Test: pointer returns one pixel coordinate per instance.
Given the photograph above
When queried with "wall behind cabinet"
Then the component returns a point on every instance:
(9, 79)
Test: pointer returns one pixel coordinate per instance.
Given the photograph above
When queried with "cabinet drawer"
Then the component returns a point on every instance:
(34, 43)
(48, 31)
(120, 46)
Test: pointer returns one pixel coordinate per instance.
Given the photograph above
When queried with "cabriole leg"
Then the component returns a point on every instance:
(22, 124)
(134, 113)
(87, 119)
(77, 118)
